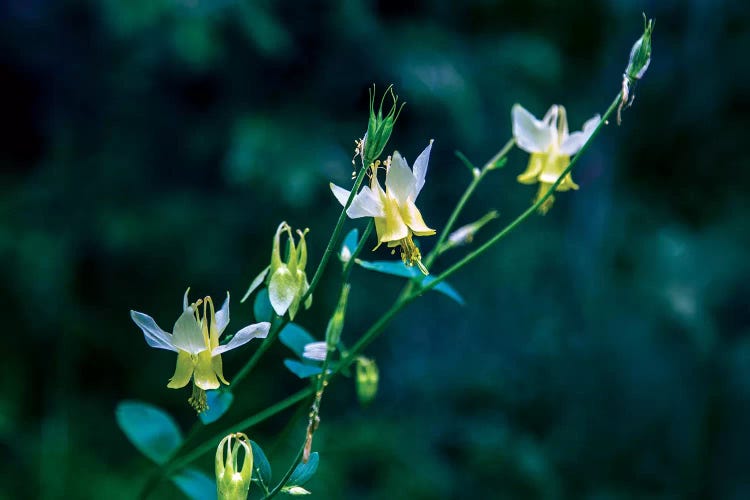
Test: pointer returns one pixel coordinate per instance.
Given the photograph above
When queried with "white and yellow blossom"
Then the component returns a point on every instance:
(195, 339)
(551, 147)
(397, 218)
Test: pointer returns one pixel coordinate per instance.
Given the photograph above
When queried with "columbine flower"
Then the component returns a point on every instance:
(233, 481)
(195, 339)
(316, 351)
(550, 146)
(397, 218)
(287, 281)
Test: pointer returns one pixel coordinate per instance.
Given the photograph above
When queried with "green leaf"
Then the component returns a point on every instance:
(350, 244)
(397, 268)
(195, 484)
(262, 306)
(261, 466)
(151, 430)
(295, 338)
(219, 402)
(300, 369)
(303, 472)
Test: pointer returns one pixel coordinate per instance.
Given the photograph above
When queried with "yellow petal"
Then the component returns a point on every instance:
(218, 368)
(413, 218)
(183, 371)
(553, 168)
(392, 226)
(534, 168)
(204, 376)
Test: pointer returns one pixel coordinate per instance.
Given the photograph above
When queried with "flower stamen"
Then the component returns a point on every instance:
(198, 400)
(411, 255)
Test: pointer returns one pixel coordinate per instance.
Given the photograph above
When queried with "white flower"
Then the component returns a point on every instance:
(550, 145)
(195, 339)
(317, 351)
(396, 215)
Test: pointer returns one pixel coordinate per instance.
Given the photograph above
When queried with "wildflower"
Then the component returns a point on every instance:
(195, 339)
(233, 481)
(550, 146)
(287, 281)
(397, 218)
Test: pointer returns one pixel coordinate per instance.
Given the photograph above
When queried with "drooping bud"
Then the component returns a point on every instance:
(465, 234)
(287, 280)
(379, 127)
(367, 380)
(336, 323)
(233, 480)
(640, 58)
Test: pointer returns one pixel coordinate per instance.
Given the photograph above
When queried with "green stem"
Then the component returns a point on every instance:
(362, 242)
(528, 212)
(464, 199)
(278, 323)
(275, 491)
(336, 232)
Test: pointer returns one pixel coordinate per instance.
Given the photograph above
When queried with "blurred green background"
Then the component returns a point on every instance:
(603, 352)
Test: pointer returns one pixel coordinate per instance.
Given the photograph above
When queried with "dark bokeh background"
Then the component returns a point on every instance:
(603, 352)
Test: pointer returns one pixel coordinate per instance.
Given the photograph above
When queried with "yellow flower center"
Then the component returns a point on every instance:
(198, 400)
(411, 255)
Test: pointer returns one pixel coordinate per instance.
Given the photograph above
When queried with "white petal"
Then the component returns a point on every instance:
(531, 135)
(420, 169)
(222, 316)
(185, 302)
(317, 351)
(187, 334)
(260, 278)
(550, 117)
(155, 336)
(576, 140)
(365, 203)
(399, 180)
(258, 330)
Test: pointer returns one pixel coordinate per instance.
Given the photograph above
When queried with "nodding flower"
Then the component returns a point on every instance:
(195, 339)
(397, 218)
(551, 146)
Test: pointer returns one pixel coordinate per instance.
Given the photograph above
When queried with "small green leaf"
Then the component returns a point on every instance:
(261, 466)
(300, 369)
(295, 338)
(262, 306)
(195, 484)
(350, 244)
(219, 402)
(397, 268)
(151, 430)
(303, 472)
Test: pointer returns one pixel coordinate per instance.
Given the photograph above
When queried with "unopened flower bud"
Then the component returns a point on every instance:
(640, 58)
(336, 323)
(465, 234)
(379, 127)
(367, 380)
(233, 480)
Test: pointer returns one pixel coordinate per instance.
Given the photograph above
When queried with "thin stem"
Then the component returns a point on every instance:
(336, 233)
(527, 213)
(477, 178)
(275, 491)
(278, 323)
(362, 242)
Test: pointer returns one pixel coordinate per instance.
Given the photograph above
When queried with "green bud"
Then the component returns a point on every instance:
(379, 128)
(367, 380)
(640, 54)
(287, 280)
(336, 323)
(233, 481)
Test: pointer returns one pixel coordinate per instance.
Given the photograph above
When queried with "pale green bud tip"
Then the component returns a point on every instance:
(367, 380)
(336, 323)
(640, 54)
(465, 234)
(379, 127)
(232, 479)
